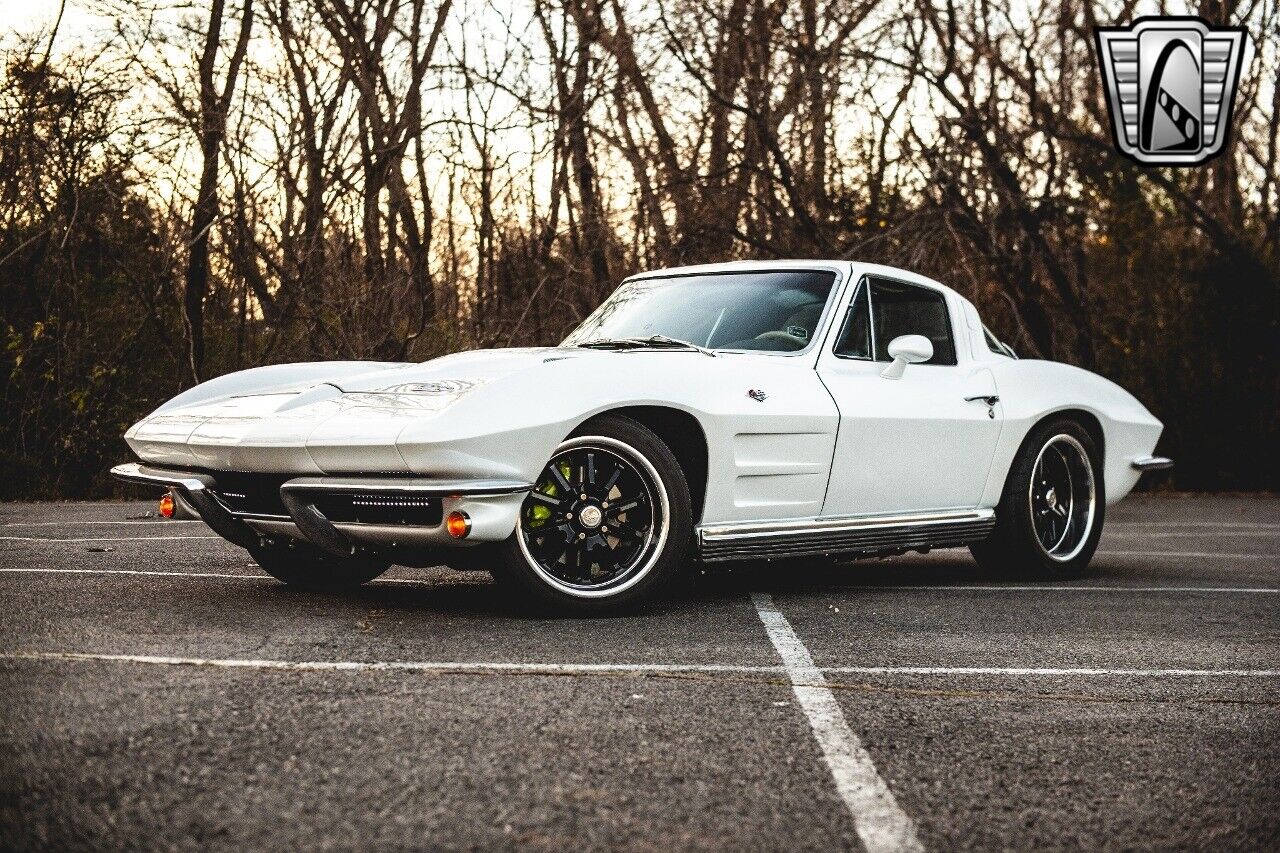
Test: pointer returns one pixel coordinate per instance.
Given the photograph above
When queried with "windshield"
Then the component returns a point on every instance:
(771, 311)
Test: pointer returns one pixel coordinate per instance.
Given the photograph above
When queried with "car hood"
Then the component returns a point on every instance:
(350, 416)
(485, 413)
(466, 369)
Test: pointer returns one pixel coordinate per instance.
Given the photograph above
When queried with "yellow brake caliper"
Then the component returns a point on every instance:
(537, 513)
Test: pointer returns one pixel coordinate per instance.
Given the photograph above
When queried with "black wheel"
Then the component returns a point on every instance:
(1050, 516)
(303, 565)
(606, 525)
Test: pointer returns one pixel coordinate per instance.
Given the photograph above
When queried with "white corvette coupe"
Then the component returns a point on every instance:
(727, 412)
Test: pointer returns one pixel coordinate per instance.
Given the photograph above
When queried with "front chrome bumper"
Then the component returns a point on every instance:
(492, 506)
(1151, 463)
(197, 491)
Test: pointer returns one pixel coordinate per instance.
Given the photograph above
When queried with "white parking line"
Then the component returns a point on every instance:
(1265, 525)
(879, 821)
(78, 523)
(1225, 590)
(102, 538)
(534, 668)
(1202, 554)
(144, 572)
(158, 573)
(459, 667)
(1242, 590)
(1050, 671)
(1174, 534)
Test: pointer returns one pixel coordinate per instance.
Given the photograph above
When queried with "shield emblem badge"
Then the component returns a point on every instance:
(1170, 85)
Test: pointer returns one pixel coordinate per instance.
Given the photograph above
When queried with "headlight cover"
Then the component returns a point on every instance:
(432, 395)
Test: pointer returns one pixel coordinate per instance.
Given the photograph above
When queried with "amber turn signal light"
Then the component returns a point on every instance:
(458, 524)
(166, 505)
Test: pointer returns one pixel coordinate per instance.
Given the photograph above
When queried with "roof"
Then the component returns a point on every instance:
(859, 268)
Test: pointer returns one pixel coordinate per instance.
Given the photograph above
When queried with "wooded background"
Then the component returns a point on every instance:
(188, 189)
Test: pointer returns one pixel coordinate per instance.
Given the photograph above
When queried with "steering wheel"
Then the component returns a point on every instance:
(783, 338)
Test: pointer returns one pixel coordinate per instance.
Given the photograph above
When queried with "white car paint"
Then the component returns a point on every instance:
(907, 445)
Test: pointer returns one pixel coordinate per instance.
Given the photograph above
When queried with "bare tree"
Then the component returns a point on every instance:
(214, 101)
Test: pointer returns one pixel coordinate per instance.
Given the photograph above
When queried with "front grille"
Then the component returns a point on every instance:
(380, 509)
(250, 494)
(259, 495)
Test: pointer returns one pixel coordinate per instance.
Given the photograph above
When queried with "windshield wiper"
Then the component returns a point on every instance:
(651, 342)
(609, 343)
(673, 343)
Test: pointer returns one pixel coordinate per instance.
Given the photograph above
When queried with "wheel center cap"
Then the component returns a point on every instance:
(1051, 498)
(591, 516)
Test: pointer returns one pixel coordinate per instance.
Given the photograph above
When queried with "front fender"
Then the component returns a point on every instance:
(1032, 390)
(767, 457)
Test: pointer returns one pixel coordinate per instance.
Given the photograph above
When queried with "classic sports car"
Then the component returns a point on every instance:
(725, 412)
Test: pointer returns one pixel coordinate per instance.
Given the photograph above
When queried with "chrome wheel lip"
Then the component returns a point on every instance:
(1089, 509)
(653, 545)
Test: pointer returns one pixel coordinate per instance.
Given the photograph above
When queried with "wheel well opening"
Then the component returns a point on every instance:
(681, 432)
(1087, 420)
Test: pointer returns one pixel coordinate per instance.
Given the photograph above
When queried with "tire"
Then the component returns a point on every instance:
(617, 547)
(1038, 532)
(303, 565)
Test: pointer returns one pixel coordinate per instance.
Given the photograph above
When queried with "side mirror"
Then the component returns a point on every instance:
(904, 350)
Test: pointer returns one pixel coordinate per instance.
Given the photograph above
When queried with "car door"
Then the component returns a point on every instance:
(919, 443)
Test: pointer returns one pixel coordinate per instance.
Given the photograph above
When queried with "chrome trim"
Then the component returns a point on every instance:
(848, 315)
(183, 510)
(858, 522)
(862, 534)
(1086, 468)
(258, 516)
(196, 490)
(871, 315)
(381, 537)
(199, 491)
(145, 475)
(1152, 463)
(419, 486)
(298, 497)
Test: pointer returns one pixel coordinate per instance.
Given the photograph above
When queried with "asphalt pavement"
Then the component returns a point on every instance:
(158, 692)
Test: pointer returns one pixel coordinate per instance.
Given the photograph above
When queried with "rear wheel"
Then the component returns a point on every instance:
(1050, 517)
(303, 565)
(606, 525)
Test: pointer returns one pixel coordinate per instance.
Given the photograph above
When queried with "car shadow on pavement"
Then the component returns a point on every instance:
(446, 592)
(940, 570)
(474, 593)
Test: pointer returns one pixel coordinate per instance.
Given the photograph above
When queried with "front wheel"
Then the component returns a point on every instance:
(606, 525)
(1050, 516)
(303, 565)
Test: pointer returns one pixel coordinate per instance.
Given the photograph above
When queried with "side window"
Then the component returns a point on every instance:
(904, 309)
(855, 337)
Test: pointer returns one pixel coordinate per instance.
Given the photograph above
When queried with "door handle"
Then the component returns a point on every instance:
(989, 399)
